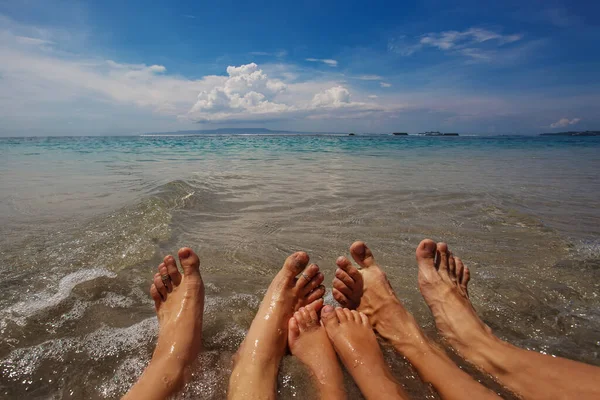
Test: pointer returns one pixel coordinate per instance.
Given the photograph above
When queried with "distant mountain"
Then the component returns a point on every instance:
(238, 131)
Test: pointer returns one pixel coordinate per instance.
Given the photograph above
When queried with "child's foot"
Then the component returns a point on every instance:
(356, 344)
(309, 342)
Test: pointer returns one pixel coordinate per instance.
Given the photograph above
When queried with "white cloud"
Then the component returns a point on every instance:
(561, 123)
(328, 61)
(369, 77)
(337, 96)
(372, 96)
(474, 43)
(385, 84)
(278, 54)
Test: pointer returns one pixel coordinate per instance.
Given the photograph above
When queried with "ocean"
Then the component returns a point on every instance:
(84, 221)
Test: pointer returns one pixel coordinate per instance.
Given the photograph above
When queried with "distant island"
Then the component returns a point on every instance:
(400, 134)
(572, 133)
(239, 131)
(436, 133)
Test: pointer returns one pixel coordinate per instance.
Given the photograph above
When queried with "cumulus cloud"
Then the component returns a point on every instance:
(247, 90)
(249, 94)
(337, 96)
(561, 123)
(327, 61)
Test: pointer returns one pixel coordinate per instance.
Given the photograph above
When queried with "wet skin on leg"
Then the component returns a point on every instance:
(256, 364)
(369, 291)
(179, 307)
(443, 281)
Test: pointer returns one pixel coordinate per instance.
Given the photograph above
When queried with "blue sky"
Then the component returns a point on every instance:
(123, 67)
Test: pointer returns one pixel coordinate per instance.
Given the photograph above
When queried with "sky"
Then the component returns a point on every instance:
(128, 67)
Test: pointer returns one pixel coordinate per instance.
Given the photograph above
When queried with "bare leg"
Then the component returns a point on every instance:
(443, 282)
(179, 307)
(309, 342)
(369, 291)
(356, 344)
(254, 374)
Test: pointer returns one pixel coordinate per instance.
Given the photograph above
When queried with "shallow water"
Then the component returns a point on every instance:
(85, 221)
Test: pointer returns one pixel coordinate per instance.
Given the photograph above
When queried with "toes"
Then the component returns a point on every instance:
(341, 314)
(344, 277)
(172, 270)
(459, 269)
(309, 280)
(466, 277)
(362, 254)
(364, 319)
(189, 261)
(355, 316)
(442, 258)
(293, 330)
(341, 298)
(295, 263)
(162, 270)
(452, 267)
(346, 266)
(155, 296)
(160, 287)
(348, 314)
(313, 309)
(329, 318)
(341, 287)
(316, 294)
(426, 252)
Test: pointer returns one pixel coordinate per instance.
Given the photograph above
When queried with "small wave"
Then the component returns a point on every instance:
(45, 300)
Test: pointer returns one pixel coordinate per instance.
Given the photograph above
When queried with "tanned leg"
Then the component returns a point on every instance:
(443, 281)
(254, 374)
(356, 344)
(369, 291)
(179, 307)
(309, 342)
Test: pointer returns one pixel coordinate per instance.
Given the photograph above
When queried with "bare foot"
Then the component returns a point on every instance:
(443, 282)
(256, 365)
(398, 326)
(369, 291)
(179, 308)
(356, 344)
(309, 342)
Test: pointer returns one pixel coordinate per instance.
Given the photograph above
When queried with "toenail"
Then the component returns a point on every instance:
(327, 309)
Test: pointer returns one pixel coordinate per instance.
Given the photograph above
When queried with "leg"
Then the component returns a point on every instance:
(356, 344)
(443, 282)
(309, 342)
(179, 307)
(370, 292)
(255, 370)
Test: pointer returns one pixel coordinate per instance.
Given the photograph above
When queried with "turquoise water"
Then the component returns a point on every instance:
(85, 221)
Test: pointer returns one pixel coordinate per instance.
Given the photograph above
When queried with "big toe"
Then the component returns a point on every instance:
(362, 254)
(330, 320)
(294, 264)
(426, 259)
(189, 261)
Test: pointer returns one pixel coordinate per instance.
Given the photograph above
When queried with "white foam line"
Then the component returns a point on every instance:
(65, 286)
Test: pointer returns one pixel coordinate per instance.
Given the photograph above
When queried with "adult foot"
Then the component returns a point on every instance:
(369, 291)
(356, 344)
(308, 342)
(443, 281)
(179, 307)
(257, 361)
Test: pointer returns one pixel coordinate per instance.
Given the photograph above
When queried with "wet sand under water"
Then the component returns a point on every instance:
(77, 320)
